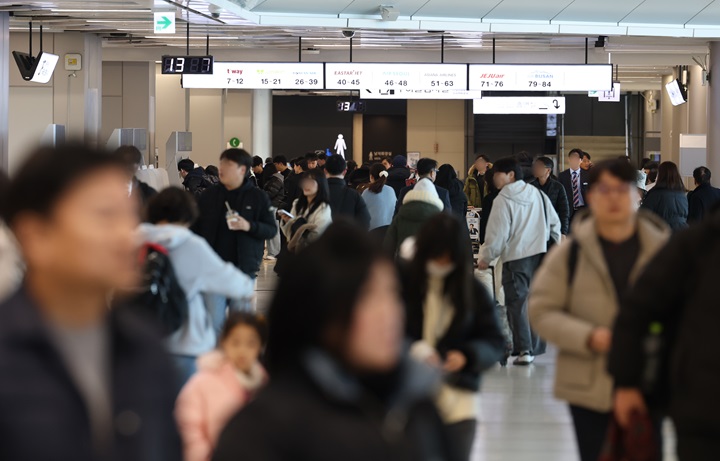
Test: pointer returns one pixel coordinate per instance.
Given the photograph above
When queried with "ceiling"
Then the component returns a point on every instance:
(467, 27)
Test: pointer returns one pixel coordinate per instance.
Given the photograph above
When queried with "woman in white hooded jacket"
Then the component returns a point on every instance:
(199, 271)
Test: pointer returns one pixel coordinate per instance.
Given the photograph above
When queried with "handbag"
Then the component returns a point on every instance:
(636, 443)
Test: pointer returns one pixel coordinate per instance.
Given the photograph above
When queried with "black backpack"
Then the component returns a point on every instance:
(161, 300)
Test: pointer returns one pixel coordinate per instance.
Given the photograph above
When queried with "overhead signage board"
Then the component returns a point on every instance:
(260, 75)
(610, 96)
(402, 93)
(520, 105)
(359, 76)
(540, 77)
(164, 22)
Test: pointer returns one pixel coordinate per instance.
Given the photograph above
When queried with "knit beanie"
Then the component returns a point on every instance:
(424, 191)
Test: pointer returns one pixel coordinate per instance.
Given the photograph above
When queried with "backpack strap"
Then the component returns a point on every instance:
(572, 261)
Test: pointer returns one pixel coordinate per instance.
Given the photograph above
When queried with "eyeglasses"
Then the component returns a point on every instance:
(604, 189)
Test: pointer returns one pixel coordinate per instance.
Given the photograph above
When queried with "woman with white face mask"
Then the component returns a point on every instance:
(451, 321)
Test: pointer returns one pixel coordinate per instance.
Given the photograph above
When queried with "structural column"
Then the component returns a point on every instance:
(713, 118)
(4, 88)
(262, 123)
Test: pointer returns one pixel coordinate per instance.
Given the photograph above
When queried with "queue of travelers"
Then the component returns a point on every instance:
(379, 331)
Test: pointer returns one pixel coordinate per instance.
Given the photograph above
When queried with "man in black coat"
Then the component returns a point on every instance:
(195, 180)
(575, 181)
(398, 174)
(542, 169)
(673, 303)
(133, 159)
(81, 382)
(281, 164)
(344, 201)
(241, 239)
(427, 168)
(704, 198)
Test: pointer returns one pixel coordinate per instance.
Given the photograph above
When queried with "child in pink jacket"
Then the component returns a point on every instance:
(226, 380)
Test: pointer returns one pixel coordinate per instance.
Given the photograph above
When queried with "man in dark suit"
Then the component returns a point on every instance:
(575, 181)
(427, 168)
(344, 201)
(704, 198)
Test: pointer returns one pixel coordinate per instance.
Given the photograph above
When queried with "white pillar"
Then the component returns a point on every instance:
(93, 90)
(262, 123)
(713, 118)
(4, 88)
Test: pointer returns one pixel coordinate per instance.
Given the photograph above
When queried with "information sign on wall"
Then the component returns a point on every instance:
(540, 77)
(357, 76)
(402, 93)
(520, 105)
(255, 75)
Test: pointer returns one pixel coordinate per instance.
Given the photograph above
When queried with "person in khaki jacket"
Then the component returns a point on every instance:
(574, 298)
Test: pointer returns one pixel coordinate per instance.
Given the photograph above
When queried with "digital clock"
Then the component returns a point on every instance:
(351, 106)
(193, 65)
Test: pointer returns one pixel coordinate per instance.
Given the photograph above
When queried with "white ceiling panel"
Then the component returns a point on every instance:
(526, 10)
(665, 12)
(323, 7)
(606, 11)
(707, 18)
(457, 9)
(372, 7)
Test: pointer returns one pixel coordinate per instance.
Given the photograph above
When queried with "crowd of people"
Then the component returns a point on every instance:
(129, 329)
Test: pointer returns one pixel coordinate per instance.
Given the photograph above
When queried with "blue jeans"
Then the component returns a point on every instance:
(185, 366)
(220, 307)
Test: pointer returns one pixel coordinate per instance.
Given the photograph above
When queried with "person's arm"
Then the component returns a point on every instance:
(563, 210)
(487, 345)
(657, 296)
(400, 199)
(497, 233)
(220, 277)
(361, 212)
(547, 305)
(192, 421)
(446, 201)
(265, 227)
(695, 208)
(553, 218)
(391, 237)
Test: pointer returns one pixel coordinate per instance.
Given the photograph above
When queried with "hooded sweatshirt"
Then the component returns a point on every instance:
(419, 205)
(521, 222)
(199, 270)
(210, 399)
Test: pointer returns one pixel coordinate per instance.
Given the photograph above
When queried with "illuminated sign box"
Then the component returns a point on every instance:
(520, 105)
(360, 76)
(255, 75)
(540, 77)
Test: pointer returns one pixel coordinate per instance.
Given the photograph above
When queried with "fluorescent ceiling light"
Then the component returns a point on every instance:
(63, 10)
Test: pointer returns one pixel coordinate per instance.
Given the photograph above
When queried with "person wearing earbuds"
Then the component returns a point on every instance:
(451, 321)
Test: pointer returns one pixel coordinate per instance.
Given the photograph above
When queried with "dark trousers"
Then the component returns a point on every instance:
(461, 437)
(692, 447)
(590, 430)
(516, 278)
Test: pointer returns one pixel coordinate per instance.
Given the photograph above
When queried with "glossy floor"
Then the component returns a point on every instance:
(520, 419)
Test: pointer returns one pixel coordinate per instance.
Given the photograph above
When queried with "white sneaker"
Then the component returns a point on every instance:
(270, 258)
(525, 359)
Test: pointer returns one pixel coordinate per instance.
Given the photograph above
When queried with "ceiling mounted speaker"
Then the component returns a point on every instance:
(389, 13)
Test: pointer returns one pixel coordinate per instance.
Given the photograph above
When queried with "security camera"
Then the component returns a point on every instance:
(215, 11)
(348, 33)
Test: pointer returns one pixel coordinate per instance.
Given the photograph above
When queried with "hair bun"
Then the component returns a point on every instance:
(383, 174)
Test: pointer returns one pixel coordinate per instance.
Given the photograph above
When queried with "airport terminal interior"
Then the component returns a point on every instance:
(565, 91)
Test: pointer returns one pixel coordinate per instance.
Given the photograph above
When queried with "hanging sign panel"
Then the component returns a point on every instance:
(359, 76)
(257, 75)
(403, 93)
(519, 105)
(540, 77)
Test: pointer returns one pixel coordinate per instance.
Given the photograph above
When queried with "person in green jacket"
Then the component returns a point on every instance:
(475, 185)
(419, 205)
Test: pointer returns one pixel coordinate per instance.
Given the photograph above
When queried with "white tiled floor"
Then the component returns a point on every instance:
(520, 419)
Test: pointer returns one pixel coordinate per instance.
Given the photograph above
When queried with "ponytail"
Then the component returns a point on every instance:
(379, 172)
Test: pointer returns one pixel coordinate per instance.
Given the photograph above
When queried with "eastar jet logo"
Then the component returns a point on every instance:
(348, 72)
(492, 75)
